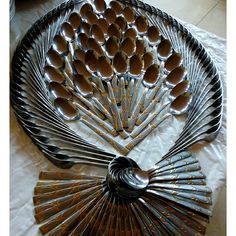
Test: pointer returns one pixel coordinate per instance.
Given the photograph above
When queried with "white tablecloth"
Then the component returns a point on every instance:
(27, 161)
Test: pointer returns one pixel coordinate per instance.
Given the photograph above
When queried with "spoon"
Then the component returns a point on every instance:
(128, 46)
(69, 112)
(136, 64)
(172, 62)
(114, 30)
(153, 35)
(52, 74)
(53, 59)
(111, 46)
(103, 24)
(97, 33)
(149, 81)
(129, 14)
(177, 107)
(121, 22)
(164, 49)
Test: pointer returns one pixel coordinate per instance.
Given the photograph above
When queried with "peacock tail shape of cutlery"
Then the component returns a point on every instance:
(170, 199)
(95, 75)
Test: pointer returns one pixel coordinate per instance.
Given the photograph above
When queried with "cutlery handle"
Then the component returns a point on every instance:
(150, 98)
(136, 111)
(102, 123)
(103, 110)
(116, 145)
(134, 97)
(103, 94)
(145, 133)
(124, 112)
(139, 129)
(114, 109)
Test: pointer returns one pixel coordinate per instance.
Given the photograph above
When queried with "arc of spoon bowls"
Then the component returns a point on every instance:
(177, 107)
(149, 81)
(64, 106)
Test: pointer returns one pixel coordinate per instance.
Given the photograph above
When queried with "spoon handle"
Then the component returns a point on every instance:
(149, 108)
(124, 112)
(116, 145)
(103, 94)
(136, 111)
(99, 121)
(145, 133)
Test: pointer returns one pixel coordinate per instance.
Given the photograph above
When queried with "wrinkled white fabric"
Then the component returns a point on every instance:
(27, 161)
